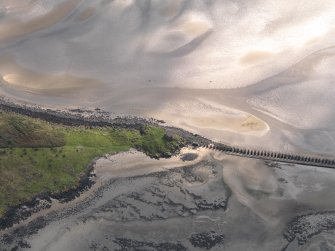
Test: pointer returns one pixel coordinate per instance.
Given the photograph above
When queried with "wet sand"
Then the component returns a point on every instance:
(17, 29)
(270, 85)
(154, 204)
(19, 79)
(189, 64)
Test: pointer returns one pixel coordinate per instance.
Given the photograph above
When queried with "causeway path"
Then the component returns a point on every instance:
(76, 117)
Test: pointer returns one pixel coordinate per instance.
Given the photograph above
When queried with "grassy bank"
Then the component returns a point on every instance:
(37, 156)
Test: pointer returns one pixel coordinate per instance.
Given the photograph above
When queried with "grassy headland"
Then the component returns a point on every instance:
(37, 156)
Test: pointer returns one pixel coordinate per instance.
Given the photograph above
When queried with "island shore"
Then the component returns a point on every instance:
(98, 118)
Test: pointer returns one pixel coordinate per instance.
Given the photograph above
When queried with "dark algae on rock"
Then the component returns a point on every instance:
(207, 240)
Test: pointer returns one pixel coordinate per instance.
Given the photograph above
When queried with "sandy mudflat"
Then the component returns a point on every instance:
(134, 163)
(16, 29)
(250, 73)
(186, 62)
(20, 79)
(121, 165)
(231, 202)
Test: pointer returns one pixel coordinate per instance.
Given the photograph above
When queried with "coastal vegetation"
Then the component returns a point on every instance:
(38, 157)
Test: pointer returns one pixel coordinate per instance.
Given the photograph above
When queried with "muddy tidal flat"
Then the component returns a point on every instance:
(210, 201)
(256, 75)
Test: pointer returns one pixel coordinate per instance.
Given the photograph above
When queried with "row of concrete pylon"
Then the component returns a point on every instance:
(262, 154)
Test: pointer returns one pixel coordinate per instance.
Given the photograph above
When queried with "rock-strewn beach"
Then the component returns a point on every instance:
(212, 202)
(198, 197)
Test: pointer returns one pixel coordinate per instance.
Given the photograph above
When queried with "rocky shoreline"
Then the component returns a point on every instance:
(99, 118)
(163, 193)
(96, 118)
(77, 117)
(23, 211)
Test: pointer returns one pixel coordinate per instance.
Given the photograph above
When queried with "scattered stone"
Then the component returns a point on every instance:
(304, 227)
(206, 240)
(134, 245)
(189, 156)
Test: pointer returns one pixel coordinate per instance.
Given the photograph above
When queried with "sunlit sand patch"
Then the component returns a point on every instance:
(21, 79)
(255, 56)
(46, 84)
(252, 123)
(14, 29)
(194, 24)
(239, 124)
(201, 115)
(313, 40)
(196, 28)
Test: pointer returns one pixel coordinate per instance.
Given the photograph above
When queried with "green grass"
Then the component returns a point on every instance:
(21, 131)
(37, 156)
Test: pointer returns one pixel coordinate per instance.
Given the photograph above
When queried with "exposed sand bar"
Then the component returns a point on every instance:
(21, 79)
(134, 163)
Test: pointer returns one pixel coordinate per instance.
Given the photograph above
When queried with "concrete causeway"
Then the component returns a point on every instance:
(319, 161)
